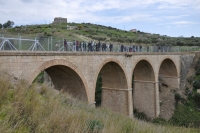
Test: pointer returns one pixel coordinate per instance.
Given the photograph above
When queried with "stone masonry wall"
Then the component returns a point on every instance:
(27, 65)
(186, 62)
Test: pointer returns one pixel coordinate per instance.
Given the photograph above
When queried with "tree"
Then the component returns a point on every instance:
(138, 40)
(180, 43)
(80, 27)
(1, 25)
(8, 24)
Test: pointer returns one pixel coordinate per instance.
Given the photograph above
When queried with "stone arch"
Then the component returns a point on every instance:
(65, 76)
(168, 81)
(107, 61)
(144, 88)
(114, 86)
(144, 66)
(168, 67)
(148, 61)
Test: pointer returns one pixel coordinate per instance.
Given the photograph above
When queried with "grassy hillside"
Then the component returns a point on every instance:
(39, 108)
(88, 31)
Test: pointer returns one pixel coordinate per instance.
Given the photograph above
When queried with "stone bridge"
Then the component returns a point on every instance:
(129, 80)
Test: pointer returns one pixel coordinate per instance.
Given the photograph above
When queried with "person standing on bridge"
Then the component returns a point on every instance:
(65, 45)
(140, 48)
(77, 45)
(98, 46)
(148, 48)
(136, 48)
(133, 48)
(130, 49)
(88, 46)
(111, 47)
(159, 48)
(102, 46)
(122, 48)
(74, 45)
(84, 46)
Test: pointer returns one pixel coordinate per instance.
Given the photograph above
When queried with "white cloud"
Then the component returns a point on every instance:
(175, 17)
(178, 23)
(169, 27)
(107, 12)
(184, 23)
(131, 18)
(27, 1)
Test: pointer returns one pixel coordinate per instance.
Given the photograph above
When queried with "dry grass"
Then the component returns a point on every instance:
(42, 109)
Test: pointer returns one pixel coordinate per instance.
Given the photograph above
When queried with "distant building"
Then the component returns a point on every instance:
(59, 20)
(133, 30)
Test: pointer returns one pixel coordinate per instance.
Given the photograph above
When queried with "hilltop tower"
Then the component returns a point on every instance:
(58, 20)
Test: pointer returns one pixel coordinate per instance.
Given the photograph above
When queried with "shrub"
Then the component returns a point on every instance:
(98, 91)
(39, 78)
(177, 97)
(94, 126)
(197, 72)
(159, 121)
(190, 79)
(161, 103)
(140, 115)
(196, 98)
(197, 66)
(196, 84)
(185, 116)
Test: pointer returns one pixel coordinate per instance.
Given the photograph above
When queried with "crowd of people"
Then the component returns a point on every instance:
(90, 46)
(103, 46)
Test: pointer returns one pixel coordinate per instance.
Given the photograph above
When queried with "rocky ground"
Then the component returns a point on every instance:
(167, 102)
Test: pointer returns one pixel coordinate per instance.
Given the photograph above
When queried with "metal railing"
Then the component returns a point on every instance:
(57, 44)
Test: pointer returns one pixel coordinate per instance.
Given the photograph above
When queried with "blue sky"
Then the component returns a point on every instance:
(166, 17)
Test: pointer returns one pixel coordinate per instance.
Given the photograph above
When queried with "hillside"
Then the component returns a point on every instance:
(39, 108)
(88, 32)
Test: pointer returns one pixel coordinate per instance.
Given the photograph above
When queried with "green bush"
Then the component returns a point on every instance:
(177, 97)
(197, 72)
(94, 126)
(185, 116)
(140, 115)
(197, 66)
(39, 78)
(190, 79)
(98, 91)
(196, 84)
(196, 98)
(159, 121)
